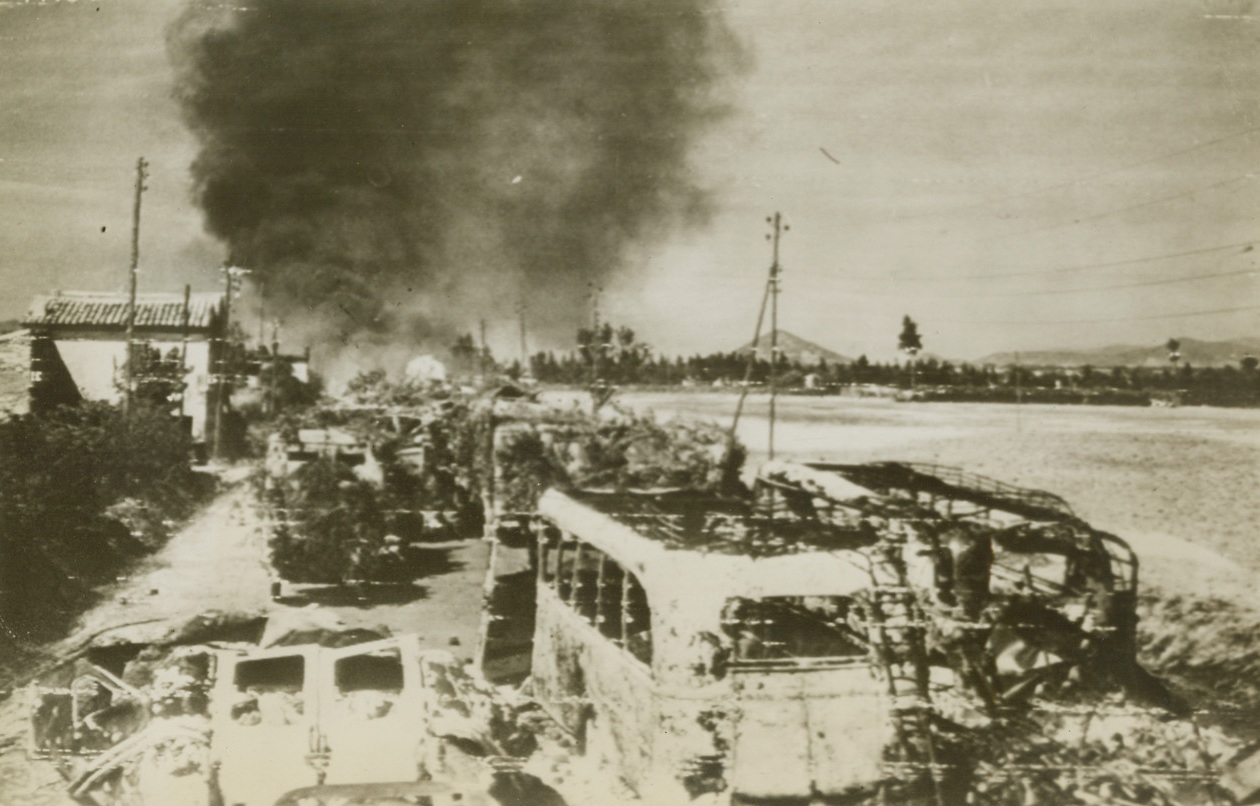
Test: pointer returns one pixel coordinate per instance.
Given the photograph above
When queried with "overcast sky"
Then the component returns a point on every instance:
(1012, 175)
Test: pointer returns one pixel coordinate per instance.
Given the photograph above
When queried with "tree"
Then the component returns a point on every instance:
(910, 343)
(1174, 351)
(611, 353)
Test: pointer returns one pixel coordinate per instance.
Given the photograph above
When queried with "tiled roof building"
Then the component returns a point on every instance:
(86, 309)
(79, 348)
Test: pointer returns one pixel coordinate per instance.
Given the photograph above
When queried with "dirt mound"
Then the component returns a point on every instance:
(1210, 648)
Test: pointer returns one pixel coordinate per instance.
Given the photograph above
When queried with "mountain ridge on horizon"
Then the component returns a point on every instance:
(794, 348)
(1195, 352)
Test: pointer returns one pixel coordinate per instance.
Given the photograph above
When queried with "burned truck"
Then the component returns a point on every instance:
(296, 713)
(868, 633)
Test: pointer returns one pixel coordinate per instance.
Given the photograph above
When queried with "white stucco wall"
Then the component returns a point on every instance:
(96, 366)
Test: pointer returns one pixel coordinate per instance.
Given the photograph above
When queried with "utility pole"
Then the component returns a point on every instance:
(183, 353)
(775, 271)
(273, 404)
(262, 313)
(484, 355)
(755, 345)
(520, 311)
(1019, 393)
(230, 273)
(596, 348)
(141, 175)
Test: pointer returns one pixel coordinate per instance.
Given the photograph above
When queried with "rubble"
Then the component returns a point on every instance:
(617, 450)
(201, 723)
(878, 633)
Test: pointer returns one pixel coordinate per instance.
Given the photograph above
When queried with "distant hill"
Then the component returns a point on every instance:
(1195, 352)
(794, 348)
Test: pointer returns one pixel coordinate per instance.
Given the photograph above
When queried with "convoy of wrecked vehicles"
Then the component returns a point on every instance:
(784, 646)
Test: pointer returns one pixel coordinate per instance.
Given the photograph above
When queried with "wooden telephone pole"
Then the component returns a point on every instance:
(141, 174)
(525, 368)
(775, 271)
(772, 290)
(483, 363)
(222, 397)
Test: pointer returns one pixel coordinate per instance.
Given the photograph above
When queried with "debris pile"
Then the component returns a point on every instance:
(617, 450)
(171, 723)
(1030, 614)
(905, 633)
(349, 486)
(1104, 752)
(1211, 649)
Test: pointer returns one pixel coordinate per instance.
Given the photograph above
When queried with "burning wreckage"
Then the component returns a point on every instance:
(883, 632)
(299, 713)
(848, 633)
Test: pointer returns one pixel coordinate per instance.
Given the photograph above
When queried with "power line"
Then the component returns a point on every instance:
(1065, 269)
(892, 317)
(1122, 210)
(1105, 320)
(822, 284)
(1087, 178)
(1139, 284)
(887, 278)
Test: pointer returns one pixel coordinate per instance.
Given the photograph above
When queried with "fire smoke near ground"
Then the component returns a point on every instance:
(399, 168)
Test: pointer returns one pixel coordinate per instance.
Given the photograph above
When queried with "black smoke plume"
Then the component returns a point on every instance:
(402, 167)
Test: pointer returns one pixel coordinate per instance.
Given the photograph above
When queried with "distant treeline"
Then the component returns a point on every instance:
(930, 379)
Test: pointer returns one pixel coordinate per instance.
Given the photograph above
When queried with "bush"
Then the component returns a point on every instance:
(60, 474)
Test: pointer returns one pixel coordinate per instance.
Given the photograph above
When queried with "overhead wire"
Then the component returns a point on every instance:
(828, 284)
(1109, 319)
(1061, 269)
(1082, 179)
(926, 321)
(1246, 246)
(1122, 210)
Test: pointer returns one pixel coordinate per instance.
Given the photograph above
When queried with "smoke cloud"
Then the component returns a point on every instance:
(398, 168)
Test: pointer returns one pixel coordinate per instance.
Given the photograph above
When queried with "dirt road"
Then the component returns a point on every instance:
(218, 562)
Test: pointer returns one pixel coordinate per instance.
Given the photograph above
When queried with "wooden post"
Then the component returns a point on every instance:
(774, 325)
(220, 377)
(141, 175)
(183, 353)
(525, 369)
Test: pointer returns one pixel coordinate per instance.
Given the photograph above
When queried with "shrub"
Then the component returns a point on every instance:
(60, 475)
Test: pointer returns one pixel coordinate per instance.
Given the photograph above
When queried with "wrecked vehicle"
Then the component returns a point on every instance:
(528, 447)
(313, 722)
(874, 633)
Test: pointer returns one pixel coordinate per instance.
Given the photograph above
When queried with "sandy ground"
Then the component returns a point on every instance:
(218, 562)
